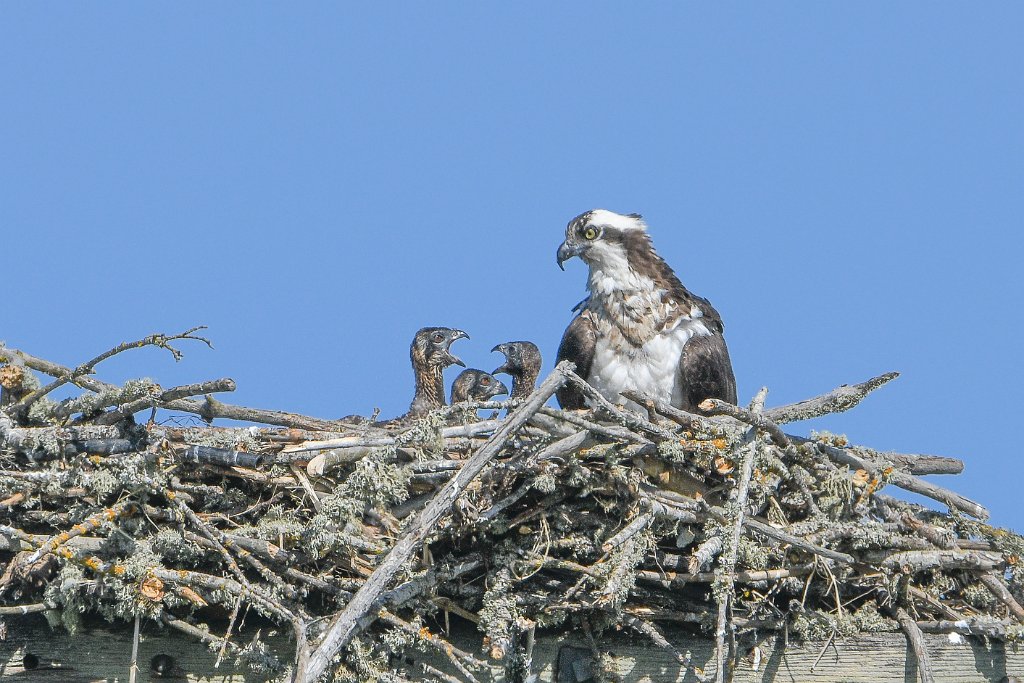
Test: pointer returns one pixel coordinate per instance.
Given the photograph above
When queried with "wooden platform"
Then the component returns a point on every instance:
(104, 655)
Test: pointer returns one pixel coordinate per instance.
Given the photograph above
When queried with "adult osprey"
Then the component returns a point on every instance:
(640, 328)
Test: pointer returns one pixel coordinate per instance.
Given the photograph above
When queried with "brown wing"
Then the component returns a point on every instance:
(577, 345)
(705, 369)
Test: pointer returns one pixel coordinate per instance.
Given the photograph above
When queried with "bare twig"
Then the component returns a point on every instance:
(836, 401)
(133, 668)
(164, 399)
(159, 340)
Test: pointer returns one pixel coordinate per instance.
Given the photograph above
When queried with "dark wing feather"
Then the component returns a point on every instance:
(705, 369)
(577, 345)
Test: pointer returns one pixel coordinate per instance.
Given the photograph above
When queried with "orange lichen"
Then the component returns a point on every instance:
(12, 377)
(192, 596)
(724, 465)
(861, 478)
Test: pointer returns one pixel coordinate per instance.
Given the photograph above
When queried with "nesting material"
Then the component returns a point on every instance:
(365, 540)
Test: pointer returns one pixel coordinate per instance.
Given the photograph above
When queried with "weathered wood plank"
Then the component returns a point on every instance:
(878, 658)
(100, 654)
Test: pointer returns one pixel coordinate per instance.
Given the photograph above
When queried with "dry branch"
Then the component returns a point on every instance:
(836, 401)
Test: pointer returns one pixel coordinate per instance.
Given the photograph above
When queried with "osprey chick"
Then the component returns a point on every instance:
(522, 361)
(473, 385)
(476, 385)
(640, 329)
(430, 356)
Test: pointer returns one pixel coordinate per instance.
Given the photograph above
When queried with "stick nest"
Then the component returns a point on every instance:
(127, 500)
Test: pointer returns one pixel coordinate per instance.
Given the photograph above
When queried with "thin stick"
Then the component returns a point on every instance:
(160, 340)
(728, 558)
(626, 417)
(227, 633)
(905, 481)
(835, 401)
(208, 409)
(995, 586)
(133, 669)
(682, 418)
(831, 637)
(165, 398)
(17, 610)
(672, 580)
(714, 406)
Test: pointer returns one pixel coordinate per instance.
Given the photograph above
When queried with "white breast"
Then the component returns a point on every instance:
(652, 369)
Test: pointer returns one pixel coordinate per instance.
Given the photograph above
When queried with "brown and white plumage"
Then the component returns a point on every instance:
(640, 329)
(522, 362)
(473, 385)
(430, 355)
(476, 385)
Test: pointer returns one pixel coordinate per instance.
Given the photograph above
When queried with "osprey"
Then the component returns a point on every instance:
(430, 356)
(476, 385)
(640, 329)
(522, 361)
(473, 385)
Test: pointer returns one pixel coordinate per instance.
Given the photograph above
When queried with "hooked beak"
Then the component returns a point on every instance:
(500, 388)
(566, 252)
(452, 358)
(504, 367)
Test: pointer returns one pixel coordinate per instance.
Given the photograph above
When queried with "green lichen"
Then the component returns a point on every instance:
(235, 440)
(499, 612)
(979, 597)
(868, 619)
(545, 483)
(133, 389)
(375, 482)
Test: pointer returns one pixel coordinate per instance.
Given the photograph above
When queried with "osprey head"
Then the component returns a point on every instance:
(430, 347)
(593, 233)
(476, 385)
(521, 358)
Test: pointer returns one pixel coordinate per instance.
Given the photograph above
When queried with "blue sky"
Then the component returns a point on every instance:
(316, 182)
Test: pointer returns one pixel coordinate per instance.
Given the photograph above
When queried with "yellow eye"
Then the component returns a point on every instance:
(590, 233)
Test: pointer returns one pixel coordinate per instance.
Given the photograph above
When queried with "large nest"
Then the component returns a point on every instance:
(363, 539)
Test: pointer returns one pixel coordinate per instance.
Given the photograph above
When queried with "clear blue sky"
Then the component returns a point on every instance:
(315, 182)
